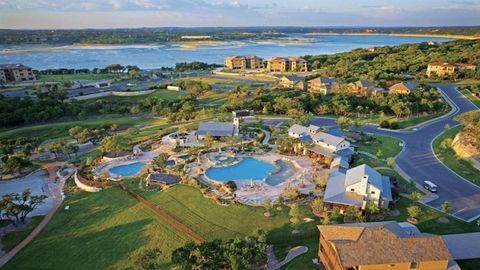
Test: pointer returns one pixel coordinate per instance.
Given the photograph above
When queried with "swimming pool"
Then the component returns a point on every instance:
(128, 169)
(246, 169)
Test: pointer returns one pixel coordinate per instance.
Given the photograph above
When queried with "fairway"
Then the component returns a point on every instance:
(99, 231)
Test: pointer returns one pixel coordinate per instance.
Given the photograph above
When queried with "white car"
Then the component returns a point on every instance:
(428, 185)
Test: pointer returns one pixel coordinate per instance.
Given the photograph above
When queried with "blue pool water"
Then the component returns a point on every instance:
(246, 169)
(170, 163)
(128, 170)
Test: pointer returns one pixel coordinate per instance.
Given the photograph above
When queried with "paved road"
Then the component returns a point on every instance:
(417, 159)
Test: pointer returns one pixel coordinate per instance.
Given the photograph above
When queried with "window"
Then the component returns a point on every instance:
(352, 189)
(413, 265)
(373, 192)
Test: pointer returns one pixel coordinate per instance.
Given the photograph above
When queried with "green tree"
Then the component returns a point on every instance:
(379, 154)
(148, 259)
(160, 162)
(16, 206)
(372, 209)
(416, 196)
(135, 109)
(294, 214)
(391, 162)
(317, 206)
(115, 143)
(291, 193)
(344, 122)
(414, 211)
(446, 208)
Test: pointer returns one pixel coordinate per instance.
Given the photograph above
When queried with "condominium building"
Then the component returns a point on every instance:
(443, 68)
(16, 73)
(284, 64)
(381, 245)
(243, 62)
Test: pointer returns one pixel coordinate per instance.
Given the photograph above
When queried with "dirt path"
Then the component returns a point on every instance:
(195, 237)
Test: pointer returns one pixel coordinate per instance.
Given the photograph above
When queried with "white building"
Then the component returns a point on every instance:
(327, 141)
(357, 187)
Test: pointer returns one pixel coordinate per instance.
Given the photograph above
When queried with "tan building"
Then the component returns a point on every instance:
(16, 73)
(380, 246)
(445, 69)
(403, 88)
(292, 82)
(360, 88)
(323, 85)
(243, 62)
(284, 64)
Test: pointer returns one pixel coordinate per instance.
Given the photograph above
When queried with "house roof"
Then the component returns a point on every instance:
(335, 191)
(293, 78)
(405, 85)
(325, 80)
(382, 243)
(217, 129)
(363, 83)
(327, 138)
(14, 66)
(354, 175)
(164, 178)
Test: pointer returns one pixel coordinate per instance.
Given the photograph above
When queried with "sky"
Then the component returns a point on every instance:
(74, 14)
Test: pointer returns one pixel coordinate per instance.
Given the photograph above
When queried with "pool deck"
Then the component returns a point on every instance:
(260, 191)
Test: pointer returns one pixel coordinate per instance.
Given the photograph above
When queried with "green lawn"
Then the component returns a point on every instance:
(161, 94)
(74, 77)
(428, 220)
(473, 264)
(448, 157)
(390, 146)
(471, 97)
(10, 240)
(60, 129)
(372, 162)
(415, 120)
(99, 231)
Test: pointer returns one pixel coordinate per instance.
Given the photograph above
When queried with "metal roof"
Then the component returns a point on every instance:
(217, 129)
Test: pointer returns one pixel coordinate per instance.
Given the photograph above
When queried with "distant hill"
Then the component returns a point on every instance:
(172, 34)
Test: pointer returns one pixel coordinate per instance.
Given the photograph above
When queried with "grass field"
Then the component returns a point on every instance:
(10, 240)
(99, 231)
(471, 97)
(161, 94)
(60, 129)
(74, 77)
(103, 230)
(213, 99)
(448, 157)
(390, 146)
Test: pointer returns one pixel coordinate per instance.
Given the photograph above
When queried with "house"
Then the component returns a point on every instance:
(216, 129)
(445, 69)
(329, 149)
(162, 179)
(323, 85)
(16, 73)
(378, 91)
(361, 88)
(373, 49)
(284, 64)
(174, 88)
(292, 82)
(243, 114)
(402, 88)
(380, 245)
(357, 187)
(243, 62)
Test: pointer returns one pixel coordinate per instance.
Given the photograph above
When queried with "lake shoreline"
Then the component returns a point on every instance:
(396, 35)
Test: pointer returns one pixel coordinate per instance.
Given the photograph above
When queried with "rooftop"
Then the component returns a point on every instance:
(164, 178)
(382, 243)
(217, 129)
(14, 66)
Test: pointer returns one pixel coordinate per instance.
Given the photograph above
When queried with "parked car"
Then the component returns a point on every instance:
(428, 185)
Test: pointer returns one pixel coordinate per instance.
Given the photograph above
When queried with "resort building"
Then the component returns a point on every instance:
(361, 88)
(381, 245)
(16, 73)
(243, 62)
(402, 88)
(328, 148)
(162, 179)
(292, 82)
(357, 187)
(284, 64)
(443, 68)
(215, 129)
(323, 85)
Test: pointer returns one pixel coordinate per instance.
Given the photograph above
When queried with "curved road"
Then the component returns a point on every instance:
(417, 159)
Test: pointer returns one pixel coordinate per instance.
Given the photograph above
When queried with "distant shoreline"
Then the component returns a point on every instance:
(396, 34)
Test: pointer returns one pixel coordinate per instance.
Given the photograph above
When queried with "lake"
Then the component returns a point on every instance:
(155, 56)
